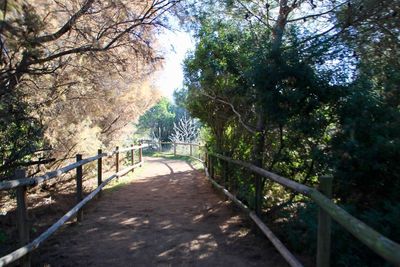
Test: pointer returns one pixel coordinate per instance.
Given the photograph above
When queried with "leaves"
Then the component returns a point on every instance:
(75, 73)
(324, 99)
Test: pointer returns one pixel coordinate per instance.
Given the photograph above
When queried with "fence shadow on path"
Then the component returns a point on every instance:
(171, 219)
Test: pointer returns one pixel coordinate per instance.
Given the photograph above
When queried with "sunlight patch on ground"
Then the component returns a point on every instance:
(130, 221)
(137, 245)
(198, 218)
(92, 230)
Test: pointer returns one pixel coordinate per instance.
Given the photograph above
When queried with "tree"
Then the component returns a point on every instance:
(365, 150)
(304, 102)
(57, 58)
(234, 77)
(159, 120)
(39, 41)
(185, 130)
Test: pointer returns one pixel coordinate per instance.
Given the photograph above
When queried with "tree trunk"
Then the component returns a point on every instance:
(259, 139)
(257, 158)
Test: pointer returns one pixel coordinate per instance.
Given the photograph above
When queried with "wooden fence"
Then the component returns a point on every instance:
(328, 210)
(21, 183)
(158, 146)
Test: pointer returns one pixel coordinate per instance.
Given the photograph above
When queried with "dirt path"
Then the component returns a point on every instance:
(168, 216)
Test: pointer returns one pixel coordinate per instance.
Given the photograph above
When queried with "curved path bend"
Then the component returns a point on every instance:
(168, 215)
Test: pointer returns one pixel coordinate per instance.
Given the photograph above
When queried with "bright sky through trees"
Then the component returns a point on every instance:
(175, 46)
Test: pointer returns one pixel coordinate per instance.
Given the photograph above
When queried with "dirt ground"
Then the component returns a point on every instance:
(168, 215)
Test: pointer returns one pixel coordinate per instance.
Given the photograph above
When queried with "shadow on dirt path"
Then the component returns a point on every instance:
(169, 215)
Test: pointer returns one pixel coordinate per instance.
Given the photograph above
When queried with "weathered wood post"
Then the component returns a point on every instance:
(174, 149)
(159, 146)
(324, 225)
(199, 149)
(79, 193)
(99, 170)
(22, 217)
(232, 178)
(212, 162)
(140, 152)
(209, 163)
(117, 159)
(206, 159)
(191, 150)
(225, 173)
(258, 195)
(133, 156)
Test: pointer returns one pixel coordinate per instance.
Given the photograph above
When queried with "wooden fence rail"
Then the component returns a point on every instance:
(328, 210)
(33, 181)
(287, 255)
(175, 145)
(377, 242)
(22, 184)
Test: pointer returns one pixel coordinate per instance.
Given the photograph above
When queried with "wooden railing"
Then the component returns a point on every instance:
(378, 243)
(21, 184)
(328, 210)
(174, 145)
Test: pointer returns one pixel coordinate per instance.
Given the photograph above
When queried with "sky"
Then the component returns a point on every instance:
(175, 45)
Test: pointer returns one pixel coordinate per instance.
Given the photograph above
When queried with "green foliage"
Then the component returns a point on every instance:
(20, 134)
(159, 120)
(366, 149)
(165, 119)
(236, 65)
(301, 228)
(332, 109)
(300, 232)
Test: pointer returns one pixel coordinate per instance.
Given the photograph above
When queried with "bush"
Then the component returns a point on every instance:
(298, 228)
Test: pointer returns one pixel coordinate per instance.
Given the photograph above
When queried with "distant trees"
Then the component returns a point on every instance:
(158, 121)
(168, 122)
(74, 67)
(186, 130)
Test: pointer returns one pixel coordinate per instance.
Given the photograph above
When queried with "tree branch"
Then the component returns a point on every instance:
(247, 127)
(318, 14)
(67, 26)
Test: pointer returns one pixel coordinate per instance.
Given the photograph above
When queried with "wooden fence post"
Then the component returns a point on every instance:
(324, 225)
(79, 193)
(174, 149)
(212, 161)
(133, 156)
(258, 195)
(140, 153)
(116, 159)
(99, 170)
(22, 217)
(209, 163)
(191, 150)
(199, 149)
(224, 173)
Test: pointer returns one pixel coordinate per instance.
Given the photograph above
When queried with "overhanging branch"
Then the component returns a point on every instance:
(247, 127)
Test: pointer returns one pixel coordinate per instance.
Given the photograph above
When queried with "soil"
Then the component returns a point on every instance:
(168, 215)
